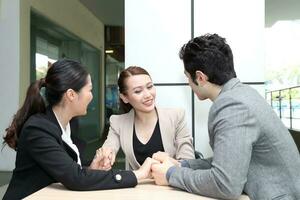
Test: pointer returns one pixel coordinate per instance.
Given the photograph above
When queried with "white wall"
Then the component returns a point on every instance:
(9, 72)
(155, 30)
(154, 33)
(242, 24)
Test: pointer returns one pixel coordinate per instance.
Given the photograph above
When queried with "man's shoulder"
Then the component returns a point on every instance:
(240, 93)
(230, 101)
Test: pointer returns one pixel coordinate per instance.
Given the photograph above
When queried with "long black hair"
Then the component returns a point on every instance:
(64, 74)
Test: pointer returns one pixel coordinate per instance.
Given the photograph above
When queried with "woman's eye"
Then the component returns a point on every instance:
(137, 91)
(150, 86)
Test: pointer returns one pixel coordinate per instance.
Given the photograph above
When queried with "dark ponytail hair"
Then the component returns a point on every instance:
(62, 75)
(33, 103)
(126, 73)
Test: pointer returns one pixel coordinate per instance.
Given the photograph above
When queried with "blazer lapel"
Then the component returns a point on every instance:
(70, 151)
(50, 115)
(127, 127)
(166, 131)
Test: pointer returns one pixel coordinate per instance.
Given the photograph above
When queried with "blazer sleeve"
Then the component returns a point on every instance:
(113, 137)
(200, 163)
(47, 152)
(234, 131)
(183, 138)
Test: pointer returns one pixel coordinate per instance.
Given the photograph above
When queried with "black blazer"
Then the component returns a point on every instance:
(43, 158)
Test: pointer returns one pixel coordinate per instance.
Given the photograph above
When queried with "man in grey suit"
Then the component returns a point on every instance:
(253, 152)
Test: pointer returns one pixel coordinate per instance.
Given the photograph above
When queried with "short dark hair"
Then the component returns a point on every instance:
(210, 54)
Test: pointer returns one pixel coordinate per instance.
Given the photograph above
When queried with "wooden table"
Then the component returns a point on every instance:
(143, 191)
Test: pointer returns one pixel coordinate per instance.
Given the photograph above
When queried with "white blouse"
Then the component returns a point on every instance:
(66, 137)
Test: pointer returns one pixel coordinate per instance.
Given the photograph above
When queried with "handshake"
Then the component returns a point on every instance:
(155, 167)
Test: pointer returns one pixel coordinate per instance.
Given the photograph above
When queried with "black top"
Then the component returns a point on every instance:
(142, 151)
(43, 158)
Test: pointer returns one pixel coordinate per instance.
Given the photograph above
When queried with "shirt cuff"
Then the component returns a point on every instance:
(184, 163)
(170, 172)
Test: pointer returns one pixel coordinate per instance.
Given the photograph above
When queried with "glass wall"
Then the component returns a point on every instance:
(114, 64)
(282, 36)
(49, 42)
(286, 104)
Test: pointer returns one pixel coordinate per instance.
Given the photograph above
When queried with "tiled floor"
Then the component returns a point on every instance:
(2, 190)
(4, 179)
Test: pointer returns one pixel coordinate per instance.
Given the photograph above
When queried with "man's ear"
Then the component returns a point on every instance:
(200, 78)
(124, 98)
(70, 94)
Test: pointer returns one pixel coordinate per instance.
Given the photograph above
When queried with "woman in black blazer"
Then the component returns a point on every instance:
(41, 137)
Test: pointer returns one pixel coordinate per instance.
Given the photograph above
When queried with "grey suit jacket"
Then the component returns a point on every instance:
(176, 138)
(253, 151)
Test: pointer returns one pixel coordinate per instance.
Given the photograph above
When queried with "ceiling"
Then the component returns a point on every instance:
(110, 12)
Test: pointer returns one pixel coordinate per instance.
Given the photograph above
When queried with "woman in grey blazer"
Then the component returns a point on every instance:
(144, 129)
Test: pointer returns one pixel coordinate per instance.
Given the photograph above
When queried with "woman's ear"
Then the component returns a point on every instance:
(124, 98)
(70, 94)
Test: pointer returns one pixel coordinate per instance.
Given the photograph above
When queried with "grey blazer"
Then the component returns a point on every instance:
(253, 151)
(176, 138)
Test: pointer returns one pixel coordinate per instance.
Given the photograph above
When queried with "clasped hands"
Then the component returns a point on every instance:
(104, 159)
(155, 167)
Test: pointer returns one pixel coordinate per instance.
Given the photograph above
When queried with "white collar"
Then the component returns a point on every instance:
(66, 137)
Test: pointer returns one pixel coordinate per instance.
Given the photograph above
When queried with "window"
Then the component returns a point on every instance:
(283, 70)
(49, 43)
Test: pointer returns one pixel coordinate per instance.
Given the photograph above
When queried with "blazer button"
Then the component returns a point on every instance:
(118, 178)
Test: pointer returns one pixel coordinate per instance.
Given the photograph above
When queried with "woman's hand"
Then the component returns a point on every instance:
(104, 159)
(145, 170)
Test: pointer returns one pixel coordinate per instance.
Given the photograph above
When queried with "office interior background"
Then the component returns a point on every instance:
(109, 35)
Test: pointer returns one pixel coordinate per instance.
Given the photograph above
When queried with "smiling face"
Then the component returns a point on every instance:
(83, 98)
(140, 93)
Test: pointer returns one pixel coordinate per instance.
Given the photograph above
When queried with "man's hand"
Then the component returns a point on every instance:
(162, 156)
(159, 171)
